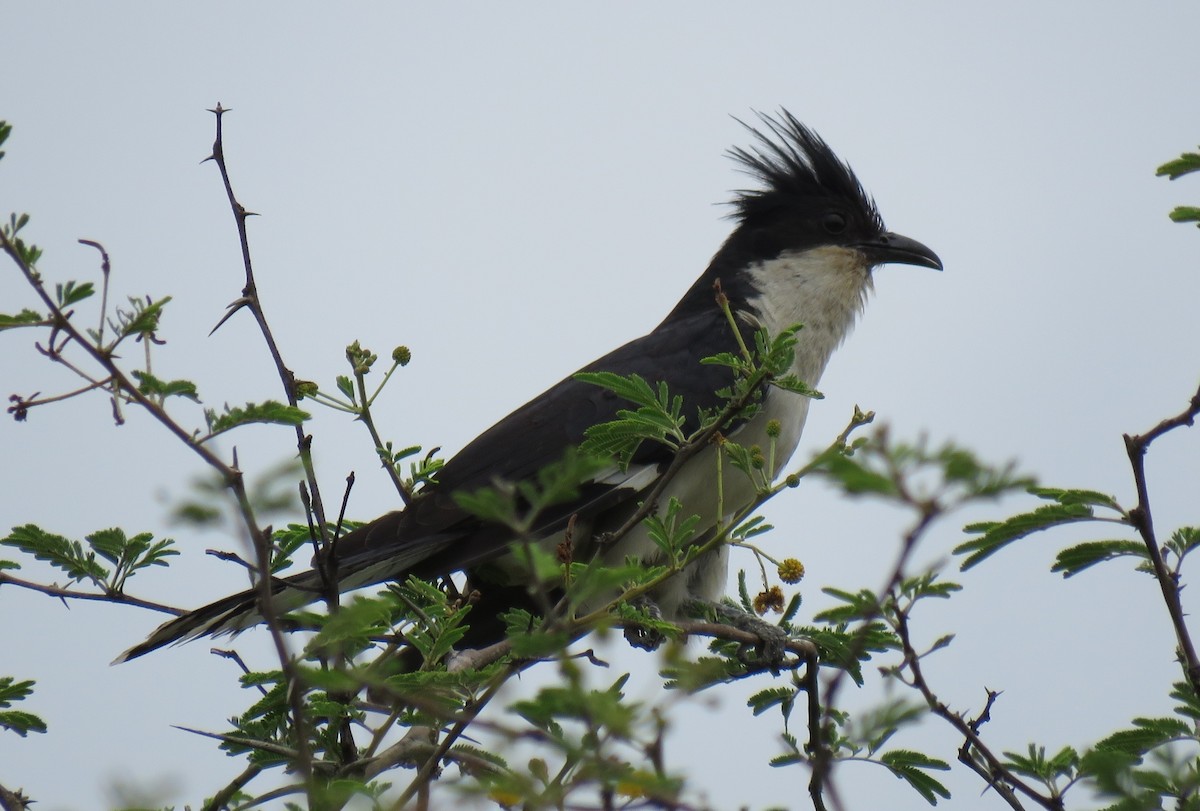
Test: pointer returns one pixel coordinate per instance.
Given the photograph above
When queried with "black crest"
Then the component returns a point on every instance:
(796, 169)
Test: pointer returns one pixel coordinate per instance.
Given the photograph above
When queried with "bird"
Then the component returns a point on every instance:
(805, 242)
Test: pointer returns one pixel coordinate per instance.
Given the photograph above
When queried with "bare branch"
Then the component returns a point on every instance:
(67, 594)
(1141, 518)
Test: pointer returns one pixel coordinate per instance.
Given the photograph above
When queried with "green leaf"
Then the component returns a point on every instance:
(658, 417)
(17, 721)
(71, 293)
(669, 531)
(725, 359)
(995, 535)
(286, 541)
(764, 700)
(1186, 163)
(351, 628)
(1035, 764)
(270, 411)
(151, 386)
(928, 585)
(1075, 496)
(1147, 734)
(633, 388)
(855, 477)
(67, 555)
(794, 384)
(488, 504)
(860, 605)
(1076, 559)
(1185, 214)
(1188, 702)
(20, 722)
(24, 318)
(143, 318)
(12, 690)
(129, 554)
(1184, 540)
(908, 766)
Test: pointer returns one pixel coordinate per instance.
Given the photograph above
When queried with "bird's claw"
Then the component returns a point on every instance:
(641, 636)
(771, 648)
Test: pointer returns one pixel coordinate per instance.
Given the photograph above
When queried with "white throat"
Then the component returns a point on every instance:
(823, 288)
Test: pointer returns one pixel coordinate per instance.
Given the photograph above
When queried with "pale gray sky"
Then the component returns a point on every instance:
(513, 190)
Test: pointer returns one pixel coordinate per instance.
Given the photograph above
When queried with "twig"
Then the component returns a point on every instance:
(260, 540)
(929, 511)
(1142, 520)
(999, 777)
(241, 740)
(109, 597)
(470, 710)
(222, 797)
(236, 658)
(364, 414)
(820, 753)
(13, 800)
(250, 299)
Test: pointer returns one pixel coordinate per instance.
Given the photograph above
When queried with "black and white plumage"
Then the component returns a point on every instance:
(805, 243)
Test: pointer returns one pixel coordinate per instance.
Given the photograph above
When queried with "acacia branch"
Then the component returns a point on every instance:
(219, 800)
(13, 800)
(822, 757)
(250, 299)
(107, 597)
(364, 414)
(998, 775)
(1141, 518)
(123, 386)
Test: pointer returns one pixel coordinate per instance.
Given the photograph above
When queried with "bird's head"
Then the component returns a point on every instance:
(807, 228)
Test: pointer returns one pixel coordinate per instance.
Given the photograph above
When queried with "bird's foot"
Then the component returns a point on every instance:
(771, 650)
(645, 637)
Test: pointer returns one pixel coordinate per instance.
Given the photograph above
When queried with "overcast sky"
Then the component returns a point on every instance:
(514, 190)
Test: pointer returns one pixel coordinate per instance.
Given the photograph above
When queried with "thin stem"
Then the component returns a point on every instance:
(469, 713)
(262, 540)
(999, 777)
(250, 299)
(67, 594)
(1142, 519)
(222, 797)
(364, 414)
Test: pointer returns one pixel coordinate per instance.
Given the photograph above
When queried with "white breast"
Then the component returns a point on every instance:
(824, 289)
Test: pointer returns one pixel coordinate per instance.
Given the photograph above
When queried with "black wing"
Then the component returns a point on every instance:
(436, 536)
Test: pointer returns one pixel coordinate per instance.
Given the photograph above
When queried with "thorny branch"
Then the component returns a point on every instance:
(123, 387)
(69, 594)
(998, 777)
(13, 800)
(1140, 516)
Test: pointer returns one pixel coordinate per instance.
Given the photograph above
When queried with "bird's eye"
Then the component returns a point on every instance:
(833, 223)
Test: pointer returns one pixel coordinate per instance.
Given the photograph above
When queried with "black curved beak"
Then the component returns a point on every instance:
(894, 249)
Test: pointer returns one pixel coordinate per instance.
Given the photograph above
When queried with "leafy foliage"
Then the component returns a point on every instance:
(658, 417)
(270, 411)
(127, 555)
(381, 678)
(151, 386)
(17, 721)
(1069, 507)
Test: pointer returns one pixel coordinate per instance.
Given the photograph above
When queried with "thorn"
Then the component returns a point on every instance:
(232, 308)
